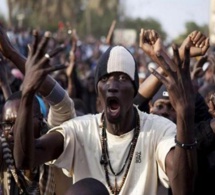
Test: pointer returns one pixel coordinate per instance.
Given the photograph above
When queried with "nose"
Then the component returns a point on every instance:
(112, 85)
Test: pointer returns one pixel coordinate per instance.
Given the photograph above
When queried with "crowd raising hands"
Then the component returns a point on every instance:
(143, 135)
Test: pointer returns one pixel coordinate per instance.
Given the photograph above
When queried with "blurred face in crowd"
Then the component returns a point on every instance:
(9, 115)
(163, 107)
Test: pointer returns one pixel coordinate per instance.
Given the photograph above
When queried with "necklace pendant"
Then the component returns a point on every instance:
(102, 160)
(105, 160)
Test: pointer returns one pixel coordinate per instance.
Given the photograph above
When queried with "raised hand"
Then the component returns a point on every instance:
(182, 97)
(37, 65)
(198, 42)
(150, 43)
(178, 83)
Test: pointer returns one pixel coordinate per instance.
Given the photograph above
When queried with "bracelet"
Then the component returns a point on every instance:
(186, 146)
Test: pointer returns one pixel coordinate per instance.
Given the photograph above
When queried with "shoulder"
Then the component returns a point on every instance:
(85, 119)
(153, 118)
(81, 124)
(152, 122)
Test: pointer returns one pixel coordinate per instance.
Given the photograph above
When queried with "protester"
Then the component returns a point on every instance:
(61, 106)
(204, 124)
(15, 181)
(204, 129)
(122, 146)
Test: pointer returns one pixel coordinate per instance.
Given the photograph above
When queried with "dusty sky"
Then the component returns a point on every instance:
(172, 14)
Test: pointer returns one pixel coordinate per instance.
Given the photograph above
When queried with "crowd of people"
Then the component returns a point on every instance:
(90, 117)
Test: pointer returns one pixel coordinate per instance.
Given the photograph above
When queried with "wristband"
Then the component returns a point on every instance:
(56, 95)
(186, 146)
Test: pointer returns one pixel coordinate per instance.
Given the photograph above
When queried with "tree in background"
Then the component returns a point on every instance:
(189, 27)
(148, 23)
(89, 17)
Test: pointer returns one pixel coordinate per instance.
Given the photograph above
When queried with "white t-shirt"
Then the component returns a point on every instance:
(82, 152)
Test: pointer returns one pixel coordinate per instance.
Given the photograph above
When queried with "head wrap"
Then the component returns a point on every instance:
(117, 59)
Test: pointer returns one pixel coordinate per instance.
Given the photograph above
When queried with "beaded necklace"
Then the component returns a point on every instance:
(105, 160)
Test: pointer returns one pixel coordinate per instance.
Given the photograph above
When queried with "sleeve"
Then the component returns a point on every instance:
(142, 103)
(61, 106)
(69, 148)
(164, 148)
(166, 142)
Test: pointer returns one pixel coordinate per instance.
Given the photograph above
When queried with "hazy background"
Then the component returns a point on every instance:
(172, 19)
(172, 14)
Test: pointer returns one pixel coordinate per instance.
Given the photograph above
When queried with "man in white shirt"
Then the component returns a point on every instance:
(124, 148)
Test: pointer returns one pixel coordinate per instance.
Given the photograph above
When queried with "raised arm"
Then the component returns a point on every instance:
(181, 162)
(151, 43)
(61, 106)
(8, 50)
(29, 152)
(198, 42)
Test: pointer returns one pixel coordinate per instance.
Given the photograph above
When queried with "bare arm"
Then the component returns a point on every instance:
(29, 152)
(7, 49)
(54, 94)
(181, 163)
(151, 44)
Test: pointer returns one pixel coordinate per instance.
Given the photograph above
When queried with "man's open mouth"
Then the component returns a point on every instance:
(113, 106)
